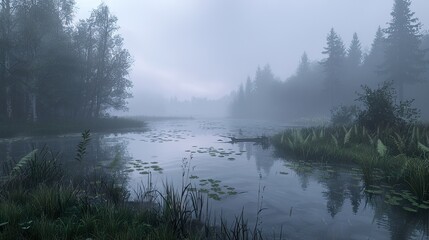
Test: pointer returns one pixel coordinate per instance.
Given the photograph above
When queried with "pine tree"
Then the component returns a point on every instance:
(374, 60)
(304, 65)
(248, 89)
(354, 53)
(334, 63)
(404, 60)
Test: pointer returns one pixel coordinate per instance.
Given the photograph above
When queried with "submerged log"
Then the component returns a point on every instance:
(255, 140)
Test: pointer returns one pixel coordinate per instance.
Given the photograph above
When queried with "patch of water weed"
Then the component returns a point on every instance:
(403, 199)
(214, 189)
(143, 167)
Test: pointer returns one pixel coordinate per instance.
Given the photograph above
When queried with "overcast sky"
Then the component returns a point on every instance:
(205, 48)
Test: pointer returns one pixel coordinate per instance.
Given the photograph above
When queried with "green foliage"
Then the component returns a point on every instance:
(39, 166)
(19, 167)
(381, 110)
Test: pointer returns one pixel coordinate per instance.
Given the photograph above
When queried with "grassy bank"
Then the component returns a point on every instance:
(397, 157)
(15, 129)
(39, 199)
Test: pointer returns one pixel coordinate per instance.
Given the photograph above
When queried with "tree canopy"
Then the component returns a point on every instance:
(53, 69)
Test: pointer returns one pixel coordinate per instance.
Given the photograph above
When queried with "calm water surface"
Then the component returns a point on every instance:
(308, 201)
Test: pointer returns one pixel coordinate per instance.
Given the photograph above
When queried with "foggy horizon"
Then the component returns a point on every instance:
(206, 49)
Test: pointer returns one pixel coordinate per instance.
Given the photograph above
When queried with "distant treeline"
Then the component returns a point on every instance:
(53, 68)
(398, 54)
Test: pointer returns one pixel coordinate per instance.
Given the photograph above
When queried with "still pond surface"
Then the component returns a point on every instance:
(306, 201)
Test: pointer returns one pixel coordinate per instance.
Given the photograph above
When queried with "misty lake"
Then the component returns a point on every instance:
(303, 200)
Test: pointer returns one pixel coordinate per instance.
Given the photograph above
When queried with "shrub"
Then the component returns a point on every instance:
(381, 109)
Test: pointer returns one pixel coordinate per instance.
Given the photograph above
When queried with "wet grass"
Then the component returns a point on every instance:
(114, 124)
(396, 157)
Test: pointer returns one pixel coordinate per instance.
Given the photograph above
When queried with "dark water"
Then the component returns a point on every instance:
(306, 201)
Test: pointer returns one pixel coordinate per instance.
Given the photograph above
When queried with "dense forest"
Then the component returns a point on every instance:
(399, 54)
(53, 68)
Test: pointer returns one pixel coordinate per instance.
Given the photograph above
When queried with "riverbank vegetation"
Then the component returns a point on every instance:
(383, 139)
(39, 199)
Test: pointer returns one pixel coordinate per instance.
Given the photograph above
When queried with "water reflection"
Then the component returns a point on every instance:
(341, 184)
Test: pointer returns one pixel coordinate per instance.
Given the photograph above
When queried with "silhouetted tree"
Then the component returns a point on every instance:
(353, 69)
(404, 60)
(304, 65)
(105, 63)
(354, 53)
(334, 63)
(373, 61)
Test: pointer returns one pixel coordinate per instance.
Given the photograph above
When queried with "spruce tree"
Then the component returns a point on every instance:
(333, 64)
(304, 65)
(354, 53)
(375, 58)
(404, 60)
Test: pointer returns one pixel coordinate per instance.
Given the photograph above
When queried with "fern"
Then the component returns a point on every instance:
(81, 147)
(381, 148)
(23, 162)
